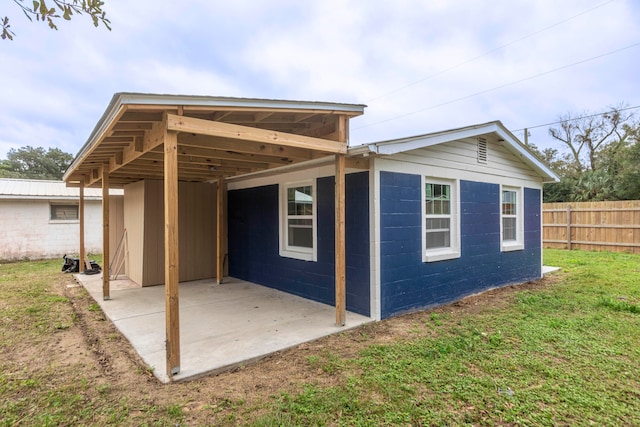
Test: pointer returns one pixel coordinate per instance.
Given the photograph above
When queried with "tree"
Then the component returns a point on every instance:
(588, 135)
(597, 160)
(35, 163)
(63, 9)
(627, 185)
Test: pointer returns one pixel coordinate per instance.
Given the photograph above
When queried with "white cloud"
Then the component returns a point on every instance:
(57, 84)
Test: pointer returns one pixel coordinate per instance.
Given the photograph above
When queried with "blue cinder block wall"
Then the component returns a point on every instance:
(408, 284)
(253, 243)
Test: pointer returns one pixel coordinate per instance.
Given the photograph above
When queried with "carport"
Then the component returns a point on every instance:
(192, 139)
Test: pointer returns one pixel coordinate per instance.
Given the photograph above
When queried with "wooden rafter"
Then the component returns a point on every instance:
(277, 151)
(232, 155)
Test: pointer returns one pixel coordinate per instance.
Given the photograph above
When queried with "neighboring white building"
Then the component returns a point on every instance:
(39, 219)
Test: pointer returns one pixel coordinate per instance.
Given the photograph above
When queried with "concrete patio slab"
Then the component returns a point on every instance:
(221, 326)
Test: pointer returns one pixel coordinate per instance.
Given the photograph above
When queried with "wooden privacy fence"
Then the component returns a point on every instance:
(595, 226)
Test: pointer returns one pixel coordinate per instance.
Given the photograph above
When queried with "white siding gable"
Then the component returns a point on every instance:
(459, 159)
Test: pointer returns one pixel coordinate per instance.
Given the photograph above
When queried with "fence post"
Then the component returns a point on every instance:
(569, 227)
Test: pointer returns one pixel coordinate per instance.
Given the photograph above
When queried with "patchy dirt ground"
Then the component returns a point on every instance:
(92, 350)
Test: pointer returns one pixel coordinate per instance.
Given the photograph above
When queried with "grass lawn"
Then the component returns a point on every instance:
(568, 354)
(563, 352)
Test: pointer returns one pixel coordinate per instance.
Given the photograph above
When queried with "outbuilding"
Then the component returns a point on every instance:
(40, 219)
(269, 191)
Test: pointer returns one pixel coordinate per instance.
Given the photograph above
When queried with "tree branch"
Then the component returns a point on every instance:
(63, 9)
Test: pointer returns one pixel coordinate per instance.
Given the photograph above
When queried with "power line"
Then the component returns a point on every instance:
(488, 52)
(500, 87)
(576, 118)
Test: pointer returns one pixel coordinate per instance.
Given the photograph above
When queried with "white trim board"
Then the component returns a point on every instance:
(374, 240)
(399, 166)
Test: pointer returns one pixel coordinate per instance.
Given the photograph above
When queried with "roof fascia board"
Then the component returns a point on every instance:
(511, 142)
(394, 147)
(520, 149)
(362, 150)
(208, 101)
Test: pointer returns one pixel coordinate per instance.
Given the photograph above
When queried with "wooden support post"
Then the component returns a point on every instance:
(340, 242)
(219, 230)
(569, 227)
(171, 261)
(83, 267)
(106, 293)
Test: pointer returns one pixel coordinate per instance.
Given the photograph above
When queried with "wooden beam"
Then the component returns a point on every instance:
(171, 249)
(357, 163)
(185, 160)
(115, 161)
(153, 168)
(115, 139)
(258, 117)
(83, 266)
(138, 144)
(139, 116)
(302, 117)
(126, 133)
(340, 249)
(248, 147)
(106, 292)
(219, 219)
(245, 133)
(230, 155)
(343, 128)
(132, 126)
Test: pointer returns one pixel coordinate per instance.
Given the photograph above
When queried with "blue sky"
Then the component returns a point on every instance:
(420, 66)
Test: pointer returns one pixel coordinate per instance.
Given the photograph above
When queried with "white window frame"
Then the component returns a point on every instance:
(297, 252)
(518, 243)
(63, 221)
(453, 251)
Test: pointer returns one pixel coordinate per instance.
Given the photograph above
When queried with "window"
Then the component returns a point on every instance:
(511, 210)
(438, 206)
(63, 212)
(441, 234)
(298, 221)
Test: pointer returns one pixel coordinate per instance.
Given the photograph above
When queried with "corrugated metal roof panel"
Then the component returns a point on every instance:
(45, 189)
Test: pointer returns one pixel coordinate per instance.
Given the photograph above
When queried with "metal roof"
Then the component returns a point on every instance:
(44, 189)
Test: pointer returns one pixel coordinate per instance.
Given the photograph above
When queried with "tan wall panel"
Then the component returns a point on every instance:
(197, 232)
(153, 233)
(134, 223)
(197, 225)
(116, 229)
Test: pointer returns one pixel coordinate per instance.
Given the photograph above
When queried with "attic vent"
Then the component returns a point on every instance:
(482, 150)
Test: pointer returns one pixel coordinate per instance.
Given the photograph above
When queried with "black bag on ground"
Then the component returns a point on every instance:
(72, 265)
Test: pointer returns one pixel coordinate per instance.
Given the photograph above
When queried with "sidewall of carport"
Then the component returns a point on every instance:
(253, 239)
